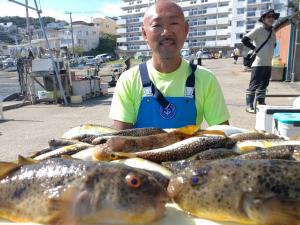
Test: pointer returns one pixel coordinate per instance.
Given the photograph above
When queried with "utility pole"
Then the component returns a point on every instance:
(28, 30)
(72, 33)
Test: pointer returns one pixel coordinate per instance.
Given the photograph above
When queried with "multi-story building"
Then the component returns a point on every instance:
(106, 25)
(86, 36)
(214, 24)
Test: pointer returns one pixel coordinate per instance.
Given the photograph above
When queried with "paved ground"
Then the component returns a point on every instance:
(29, 128)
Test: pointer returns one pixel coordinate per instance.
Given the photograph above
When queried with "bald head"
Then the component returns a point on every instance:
(163, 6)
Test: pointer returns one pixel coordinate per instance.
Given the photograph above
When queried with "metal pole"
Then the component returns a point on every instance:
(73, 48)
(28, 24)
(51, 56)
(295, 49)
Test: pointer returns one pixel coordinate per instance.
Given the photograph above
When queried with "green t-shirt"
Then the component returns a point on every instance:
(210, 103)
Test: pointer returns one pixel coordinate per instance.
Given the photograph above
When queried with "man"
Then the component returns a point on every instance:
(199, 57)
(262, 65)
(236, 54)
(166, 91)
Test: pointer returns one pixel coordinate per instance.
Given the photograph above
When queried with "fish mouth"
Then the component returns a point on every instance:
(175, 186)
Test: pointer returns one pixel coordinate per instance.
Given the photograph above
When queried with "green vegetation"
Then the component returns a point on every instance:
(21, 21)
(107, 44)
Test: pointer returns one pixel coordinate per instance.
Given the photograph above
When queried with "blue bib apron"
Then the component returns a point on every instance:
(166, 112)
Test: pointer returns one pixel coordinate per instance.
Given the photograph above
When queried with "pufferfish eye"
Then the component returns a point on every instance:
(195, 180)
(133, 181)
(113, 156)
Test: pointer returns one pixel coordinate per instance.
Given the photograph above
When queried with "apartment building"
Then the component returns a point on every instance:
(106, 25)
(86, 36)
(214, 24)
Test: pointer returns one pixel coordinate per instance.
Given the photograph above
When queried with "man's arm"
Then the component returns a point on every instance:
(119, 125)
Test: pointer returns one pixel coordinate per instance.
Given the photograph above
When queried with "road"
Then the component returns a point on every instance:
(29, 128)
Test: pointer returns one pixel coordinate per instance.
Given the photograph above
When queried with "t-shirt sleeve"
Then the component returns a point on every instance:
(215, 109)
(122, 106)
(252, 34)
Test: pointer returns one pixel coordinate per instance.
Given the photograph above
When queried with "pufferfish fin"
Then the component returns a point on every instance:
(7, 167)
(271, 210)
(69, 207)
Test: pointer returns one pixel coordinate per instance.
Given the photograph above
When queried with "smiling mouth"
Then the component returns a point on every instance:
(167, 42)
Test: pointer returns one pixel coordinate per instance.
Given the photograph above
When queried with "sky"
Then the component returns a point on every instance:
(83, 9)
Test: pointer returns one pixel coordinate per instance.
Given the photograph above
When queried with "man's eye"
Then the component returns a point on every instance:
(156, 25)
(174, 23)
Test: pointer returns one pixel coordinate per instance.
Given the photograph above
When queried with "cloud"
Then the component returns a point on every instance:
(111, 9)
(107, 9)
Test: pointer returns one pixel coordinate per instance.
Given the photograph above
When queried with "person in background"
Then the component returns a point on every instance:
(262, 65)
(236, 54)
(167, 91)
(199, 57)
(192, 58)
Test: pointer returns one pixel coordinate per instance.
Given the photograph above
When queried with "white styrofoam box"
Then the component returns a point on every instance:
(45, 65)
(81, 87)
(286, 124)
(264, 115)
(104, 88)
(42, 65)
(95, 85)
(45, 95)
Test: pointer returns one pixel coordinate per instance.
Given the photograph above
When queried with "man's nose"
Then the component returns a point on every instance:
(166, 31)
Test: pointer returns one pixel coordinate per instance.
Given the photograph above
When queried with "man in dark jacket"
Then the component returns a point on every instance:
(262, 65)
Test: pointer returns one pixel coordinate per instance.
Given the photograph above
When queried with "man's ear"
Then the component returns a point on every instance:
(144, 34)
(187, 28)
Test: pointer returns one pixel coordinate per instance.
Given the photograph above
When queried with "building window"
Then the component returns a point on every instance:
(203, 1)
(251, 1)
(139, 2)
(240, 23)
(137, 10)
(223, 4)
(85, 42)
(193, 2)
(87, 33)
(250, 26)
(241, 0)
(129, 11)
(131, 3)
(94, 32)
(240, 10)
(251, 13)
(238, 36)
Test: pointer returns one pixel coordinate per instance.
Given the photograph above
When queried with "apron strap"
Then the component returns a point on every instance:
(150, 89)
(190, 83)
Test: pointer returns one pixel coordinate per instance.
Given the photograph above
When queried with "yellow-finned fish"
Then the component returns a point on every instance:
(260, 192)
(60, 191)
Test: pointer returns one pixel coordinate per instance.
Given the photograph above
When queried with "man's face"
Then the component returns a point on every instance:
(269, 19)
(165, 30)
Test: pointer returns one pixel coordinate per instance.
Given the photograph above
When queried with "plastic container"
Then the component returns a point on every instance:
(45, 94)
(81, 87)
(104, 88)
(76, 99)
(286, 124)
(264, 115)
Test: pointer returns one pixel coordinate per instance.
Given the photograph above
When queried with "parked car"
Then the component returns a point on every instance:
(206, 55)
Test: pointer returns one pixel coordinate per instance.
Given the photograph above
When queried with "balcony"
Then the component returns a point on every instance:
(223, 20)
(123, 48)
(222, 32)
(211, 22)
(144, 47)
(121, 22)
(121, 30)
(224, 9)
(121, 39)
(216, 43)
